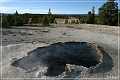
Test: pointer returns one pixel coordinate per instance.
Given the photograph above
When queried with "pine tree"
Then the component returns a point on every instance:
(17, 19)
(73, 21)
(66, 21)
(77, 22)
(119, 18)
(35, 19)
(91, 16)
(10, 19)
(50, 17)
(45, 21)
(5, 23)
(83, 20)
(49, 12)
(108, 13)
(25, 18)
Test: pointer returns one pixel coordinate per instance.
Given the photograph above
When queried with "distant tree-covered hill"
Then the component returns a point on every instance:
(56, 15)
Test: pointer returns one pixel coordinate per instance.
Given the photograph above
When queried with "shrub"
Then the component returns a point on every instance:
(66, 21)
(5, 23)
(45, 21)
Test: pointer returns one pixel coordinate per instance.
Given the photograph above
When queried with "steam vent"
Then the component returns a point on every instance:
(76, 55)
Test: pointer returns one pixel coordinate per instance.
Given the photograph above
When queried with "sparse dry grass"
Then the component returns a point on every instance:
(30, 32)
(22, 32)
(44, 30)
(113, 30)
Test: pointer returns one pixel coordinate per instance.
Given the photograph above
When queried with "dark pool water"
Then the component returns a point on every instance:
(57, 55)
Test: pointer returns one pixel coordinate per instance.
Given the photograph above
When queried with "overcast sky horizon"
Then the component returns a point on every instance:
(56, 6)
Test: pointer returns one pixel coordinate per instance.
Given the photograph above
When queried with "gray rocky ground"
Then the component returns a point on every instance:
(17, 42)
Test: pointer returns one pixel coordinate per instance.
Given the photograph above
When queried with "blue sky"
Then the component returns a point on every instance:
(56, 6)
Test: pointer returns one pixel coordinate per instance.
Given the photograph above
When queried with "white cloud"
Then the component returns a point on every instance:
(8, 9)
(32, 11)
(37, 10)
(20, 10)
(42, 11)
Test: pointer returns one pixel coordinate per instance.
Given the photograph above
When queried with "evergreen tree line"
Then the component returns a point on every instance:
(107, 15)
(90, 19)
(21, 19)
